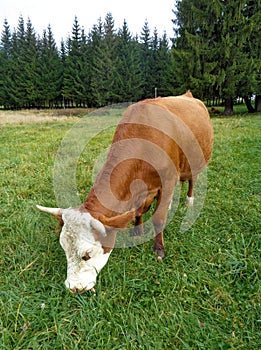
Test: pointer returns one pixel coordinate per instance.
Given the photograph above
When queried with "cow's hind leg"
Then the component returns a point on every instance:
(190, 197)
(138, 227)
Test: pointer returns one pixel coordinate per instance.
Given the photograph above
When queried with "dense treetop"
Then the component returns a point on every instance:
(217, 49)
(215, 52)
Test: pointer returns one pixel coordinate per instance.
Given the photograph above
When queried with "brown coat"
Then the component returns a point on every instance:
(157, 143)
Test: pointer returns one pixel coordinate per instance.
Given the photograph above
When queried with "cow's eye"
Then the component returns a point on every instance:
(86, 256)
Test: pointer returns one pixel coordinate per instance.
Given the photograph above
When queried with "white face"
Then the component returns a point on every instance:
(85, 256)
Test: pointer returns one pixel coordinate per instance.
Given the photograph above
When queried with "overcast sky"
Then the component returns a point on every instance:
(60, 14)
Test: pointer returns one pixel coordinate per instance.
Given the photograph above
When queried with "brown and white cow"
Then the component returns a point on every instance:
(157, 143)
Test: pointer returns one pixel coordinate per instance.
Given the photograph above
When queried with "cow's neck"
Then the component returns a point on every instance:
(111, 193)
(94, 206)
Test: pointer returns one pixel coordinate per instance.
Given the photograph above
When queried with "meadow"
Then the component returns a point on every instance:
(205, 294)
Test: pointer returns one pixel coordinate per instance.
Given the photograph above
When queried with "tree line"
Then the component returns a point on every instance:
(215, 52)
(104, 67)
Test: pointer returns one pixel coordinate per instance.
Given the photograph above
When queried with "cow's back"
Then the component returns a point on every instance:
(157, 143)
(180, 120)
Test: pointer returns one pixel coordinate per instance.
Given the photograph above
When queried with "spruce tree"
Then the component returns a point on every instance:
(23, 79)
(128, 66)
(95, 44)
(148, 85)
(16, 80)
(30, 62)
(194, 51)
(165, 73)
(209, 48)
(161, 65)
(105, 78)
(154, 61)
(5, 65)
(50, 70)
(85, 74)
(74, 89)
(111, 61)
(250, 84)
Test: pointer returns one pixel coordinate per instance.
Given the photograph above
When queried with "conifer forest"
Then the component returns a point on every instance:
(215, 52)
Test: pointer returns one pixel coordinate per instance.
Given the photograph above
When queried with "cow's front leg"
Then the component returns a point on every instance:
(158, 246)
(159, 220)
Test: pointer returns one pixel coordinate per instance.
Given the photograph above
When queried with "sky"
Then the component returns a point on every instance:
(60, 14)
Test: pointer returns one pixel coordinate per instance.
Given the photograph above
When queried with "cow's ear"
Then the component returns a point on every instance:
(60, 219)
(119, 221)
(98, 226)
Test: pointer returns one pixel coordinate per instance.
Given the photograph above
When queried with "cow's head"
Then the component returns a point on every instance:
(80, 241)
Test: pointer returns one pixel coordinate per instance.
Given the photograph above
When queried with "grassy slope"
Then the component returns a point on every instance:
(203, 296)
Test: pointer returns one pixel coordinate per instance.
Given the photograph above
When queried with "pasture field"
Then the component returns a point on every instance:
(205, 294)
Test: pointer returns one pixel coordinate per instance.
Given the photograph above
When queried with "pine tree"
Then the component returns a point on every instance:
(231, 58)
(31, 71)
(128, 66)
(50, 70)
(16, 80)
(209, 48)
(165, 73)
(105, 78)
(146, 62)
(154, 61)
(195, 59)
(161, 65)
(74, 89)
(251, 81)
(111, 60)
(22, 91)
(95, 43)
(5, 64)
(85, 74)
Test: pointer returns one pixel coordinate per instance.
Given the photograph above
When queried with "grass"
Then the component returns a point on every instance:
(206, 293)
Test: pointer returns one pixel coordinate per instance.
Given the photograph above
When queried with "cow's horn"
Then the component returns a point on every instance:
(54, 211)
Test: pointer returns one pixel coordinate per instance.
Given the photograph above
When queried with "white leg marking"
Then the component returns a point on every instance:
(190, 201)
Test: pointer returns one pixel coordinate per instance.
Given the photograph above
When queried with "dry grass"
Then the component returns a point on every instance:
(41, 116)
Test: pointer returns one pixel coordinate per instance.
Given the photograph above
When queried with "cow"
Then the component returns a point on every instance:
(215, 111)
(157, 143)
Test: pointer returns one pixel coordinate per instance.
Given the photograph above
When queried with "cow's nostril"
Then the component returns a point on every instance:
(82, 291)
(78, 290)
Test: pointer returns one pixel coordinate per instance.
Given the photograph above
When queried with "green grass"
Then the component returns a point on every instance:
(205, 295)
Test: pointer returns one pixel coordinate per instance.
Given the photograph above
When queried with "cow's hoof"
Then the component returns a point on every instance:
(189, 201)
(159, 254)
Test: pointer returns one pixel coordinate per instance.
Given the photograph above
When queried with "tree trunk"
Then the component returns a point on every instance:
(258, 103)
(250, 108)
(228, 106)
